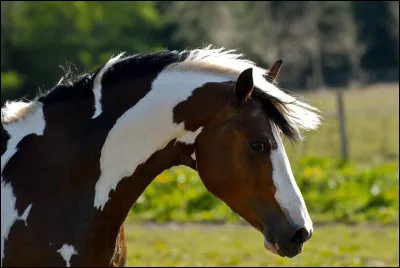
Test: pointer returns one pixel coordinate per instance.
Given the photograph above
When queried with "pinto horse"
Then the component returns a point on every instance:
(76, 159)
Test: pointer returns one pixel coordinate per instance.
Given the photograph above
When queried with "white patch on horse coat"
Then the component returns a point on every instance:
(9, 213)
(66, 252)
(24, 215)
(13, 110)
(287, 193)
(190, 137)
(97, 85)
(32, 123)
(145, 128)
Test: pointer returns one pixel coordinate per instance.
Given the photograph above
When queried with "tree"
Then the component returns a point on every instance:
(48, 34)
(393, 22)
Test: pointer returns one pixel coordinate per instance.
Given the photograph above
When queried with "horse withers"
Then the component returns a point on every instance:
(76, 159)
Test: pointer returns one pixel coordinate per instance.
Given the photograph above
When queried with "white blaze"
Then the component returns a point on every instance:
(287, 193)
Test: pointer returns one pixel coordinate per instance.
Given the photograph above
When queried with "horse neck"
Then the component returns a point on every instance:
(151, 136)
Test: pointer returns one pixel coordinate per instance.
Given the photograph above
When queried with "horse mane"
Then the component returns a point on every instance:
(289, 113)
(13, 111)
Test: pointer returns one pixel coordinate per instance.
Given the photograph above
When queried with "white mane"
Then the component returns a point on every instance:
(299, 114)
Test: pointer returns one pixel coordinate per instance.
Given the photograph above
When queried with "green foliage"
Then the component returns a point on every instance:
(343, 41)
(40, 36)
(10, 80)
(333, 191)
(342, 192)
(178, 195)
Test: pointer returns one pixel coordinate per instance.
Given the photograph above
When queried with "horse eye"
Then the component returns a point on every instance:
(258, 146)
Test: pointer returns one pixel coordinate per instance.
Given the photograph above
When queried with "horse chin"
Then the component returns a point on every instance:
(270, 247)
(274, 248)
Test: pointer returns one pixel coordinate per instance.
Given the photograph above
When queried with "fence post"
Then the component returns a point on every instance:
(342, 125)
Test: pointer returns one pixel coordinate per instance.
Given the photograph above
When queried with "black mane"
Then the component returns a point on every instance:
(74, 86)
(276, 110)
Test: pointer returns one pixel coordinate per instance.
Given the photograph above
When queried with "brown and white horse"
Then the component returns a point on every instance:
(76, 159)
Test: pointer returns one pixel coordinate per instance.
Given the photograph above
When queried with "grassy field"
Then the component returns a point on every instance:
(372, 120)
(240, 245)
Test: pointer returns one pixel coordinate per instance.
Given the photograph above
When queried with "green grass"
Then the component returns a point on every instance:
(241, 245)
(373, 134)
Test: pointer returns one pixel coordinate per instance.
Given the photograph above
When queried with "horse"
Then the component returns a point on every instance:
(76, 158)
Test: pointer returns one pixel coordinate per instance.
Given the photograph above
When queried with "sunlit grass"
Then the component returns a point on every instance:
(241, 245)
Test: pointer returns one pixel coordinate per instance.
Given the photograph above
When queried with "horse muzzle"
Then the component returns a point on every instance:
(289, 247)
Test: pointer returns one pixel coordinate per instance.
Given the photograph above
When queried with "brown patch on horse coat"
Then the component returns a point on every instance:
(204, 105)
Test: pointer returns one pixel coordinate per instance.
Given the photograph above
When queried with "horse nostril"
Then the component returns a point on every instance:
(300, 236)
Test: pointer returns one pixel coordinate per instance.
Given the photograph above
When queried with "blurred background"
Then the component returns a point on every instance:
(342, 57)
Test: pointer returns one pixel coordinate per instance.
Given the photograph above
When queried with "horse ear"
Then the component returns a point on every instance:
(273, 71)
(244, 85)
